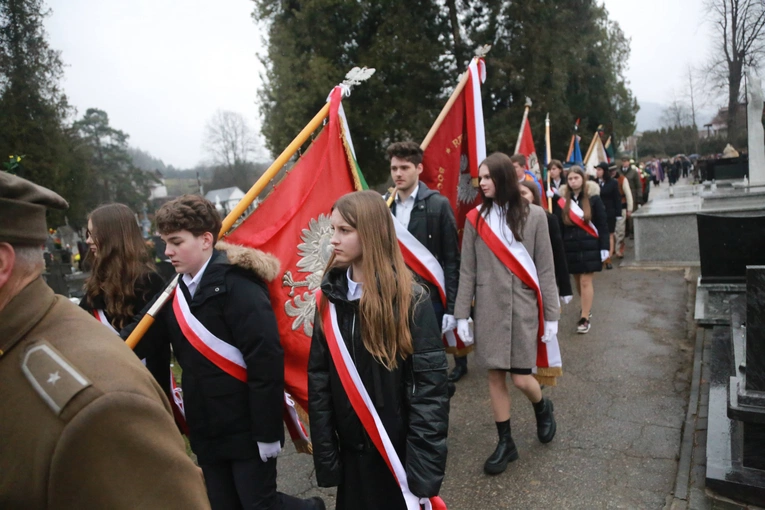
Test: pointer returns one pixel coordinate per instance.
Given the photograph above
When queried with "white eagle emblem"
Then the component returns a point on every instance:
(466, 193)
(315, 251)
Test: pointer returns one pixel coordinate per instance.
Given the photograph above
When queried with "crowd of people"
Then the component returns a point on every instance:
(378, 380)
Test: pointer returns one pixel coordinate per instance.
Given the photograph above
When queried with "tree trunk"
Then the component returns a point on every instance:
(734, 88)
(455, 24)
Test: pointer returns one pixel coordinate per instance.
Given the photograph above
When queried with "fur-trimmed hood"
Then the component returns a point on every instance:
(264, 265)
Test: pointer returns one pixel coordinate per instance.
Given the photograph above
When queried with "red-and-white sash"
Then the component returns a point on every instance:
(577, 216)
(227, 357)
(365, 409)
(495, 233)
(419, 259)
(101, 316)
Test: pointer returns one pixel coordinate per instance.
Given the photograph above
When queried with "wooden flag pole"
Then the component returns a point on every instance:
(589, 150)
(354, 77)
(445, 110)
(548, 154)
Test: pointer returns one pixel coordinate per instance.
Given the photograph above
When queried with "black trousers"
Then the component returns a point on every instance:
(247, 485)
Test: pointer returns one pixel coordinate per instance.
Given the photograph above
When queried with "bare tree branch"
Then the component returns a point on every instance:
(229, 139)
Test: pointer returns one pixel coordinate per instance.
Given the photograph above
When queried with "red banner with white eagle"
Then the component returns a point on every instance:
(292, 223)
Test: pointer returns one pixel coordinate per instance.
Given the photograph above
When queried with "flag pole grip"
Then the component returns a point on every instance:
(445, 110)
(240, 208)
(148, 319)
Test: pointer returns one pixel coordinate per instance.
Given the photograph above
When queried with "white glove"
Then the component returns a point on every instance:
(551, 329)
(463, 330)
(269, 450)
(549, 193)
(448, 323)
(603, 255)
(564, 300)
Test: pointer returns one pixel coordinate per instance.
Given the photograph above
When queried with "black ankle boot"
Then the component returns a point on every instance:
(504, 453)
(546, 425)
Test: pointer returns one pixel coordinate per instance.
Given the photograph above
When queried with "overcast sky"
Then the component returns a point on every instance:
(161, 68)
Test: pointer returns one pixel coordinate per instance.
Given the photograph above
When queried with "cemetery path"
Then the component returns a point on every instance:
(620, 407)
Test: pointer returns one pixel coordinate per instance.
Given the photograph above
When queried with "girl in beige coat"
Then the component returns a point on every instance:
(506, 314)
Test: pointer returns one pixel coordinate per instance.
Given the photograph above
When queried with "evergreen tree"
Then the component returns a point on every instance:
(116, 179)
(566, 55)
(313, 44)
(33, 109)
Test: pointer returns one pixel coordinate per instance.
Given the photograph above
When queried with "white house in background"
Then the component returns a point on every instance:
(158, 189)
(225, 200)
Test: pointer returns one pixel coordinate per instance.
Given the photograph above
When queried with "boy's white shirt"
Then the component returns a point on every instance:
(193, 283)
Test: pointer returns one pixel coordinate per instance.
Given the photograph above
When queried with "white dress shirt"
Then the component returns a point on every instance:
(404, 208)
(354, 289)
(193, 283)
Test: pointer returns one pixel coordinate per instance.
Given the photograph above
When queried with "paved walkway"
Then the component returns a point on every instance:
(620, 408)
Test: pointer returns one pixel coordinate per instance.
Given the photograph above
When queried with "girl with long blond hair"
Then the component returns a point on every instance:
(585, 238)
(123, 278)
(385, 321)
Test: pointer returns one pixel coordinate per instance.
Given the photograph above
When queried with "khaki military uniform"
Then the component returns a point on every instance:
(83, 425)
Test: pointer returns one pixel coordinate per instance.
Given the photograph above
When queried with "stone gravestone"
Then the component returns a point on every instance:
(756, 135)
(728, 244)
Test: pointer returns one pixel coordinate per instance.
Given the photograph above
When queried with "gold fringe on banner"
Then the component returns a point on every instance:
(301, 445)
(460, 353)
(548, 375)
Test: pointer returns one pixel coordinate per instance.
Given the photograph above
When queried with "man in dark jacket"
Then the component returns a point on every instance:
(628, 172)
(428, 216)
(224, 334)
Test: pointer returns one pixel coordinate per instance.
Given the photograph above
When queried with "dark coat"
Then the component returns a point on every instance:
(227, 417)
(612, 199)
(559, 256)
(583, 250)
(412, 402)
(147, 286)
(432, 223)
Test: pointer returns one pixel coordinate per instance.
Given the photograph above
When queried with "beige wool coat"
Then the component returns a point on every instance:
(506, 317)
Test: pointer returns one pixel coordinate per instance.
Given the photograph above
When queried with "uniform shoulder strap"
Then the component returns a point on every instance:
(52, 376)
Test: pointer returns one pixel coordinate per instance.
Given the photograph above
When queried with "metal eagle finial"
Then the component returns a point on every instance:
(357, 75)
(482, 51)
(528, 102)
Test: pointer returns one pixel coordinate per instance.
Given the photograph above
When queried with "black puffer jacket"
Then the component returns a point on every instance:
(412, 402)
(583, 250)
(227, 417)
(432, 223)
(562, 278)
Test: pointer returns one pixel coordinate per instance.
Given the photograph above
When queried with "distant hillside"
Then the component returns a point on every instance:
(649, 118)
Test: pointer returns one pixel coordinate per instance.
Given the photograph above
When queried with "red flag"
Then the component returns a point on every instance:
(451, 159)
(292, 223)
(525, 146)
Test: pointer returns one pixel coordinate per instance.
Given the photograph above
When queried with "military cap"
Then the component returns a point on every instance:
(22, 209)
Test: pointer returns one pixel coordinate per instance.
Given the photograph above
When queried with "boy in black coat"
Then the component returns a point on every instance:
(224, 334)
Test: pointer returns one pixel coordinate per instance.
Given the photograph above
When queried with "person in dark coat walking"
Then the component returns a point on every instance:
(399, 357)
(224, 335)
(123, 279)
(586, 249)
(612, 201)
(531, 194)
(428, 216)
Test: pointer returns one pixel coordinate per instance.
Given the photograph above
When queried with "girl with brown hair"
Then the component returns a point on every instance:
(371, 309)
(123, 278)
(585, 237)
(507, 267)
